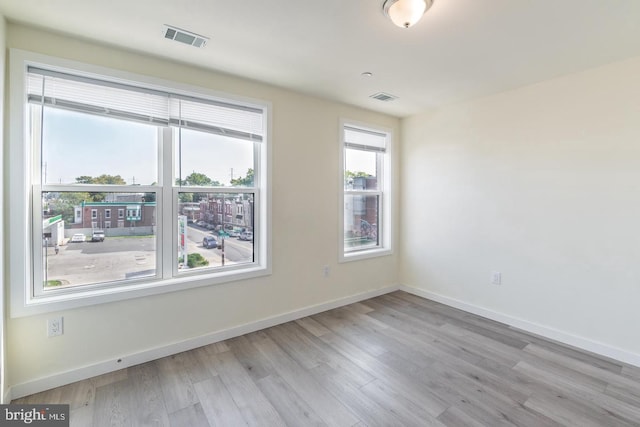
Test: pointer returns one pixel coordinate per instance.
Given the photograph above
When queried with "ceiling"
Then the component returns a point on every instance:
(461, 49)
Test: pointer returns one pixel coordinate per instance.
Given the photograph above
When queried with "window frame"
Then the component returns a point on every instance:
(23, 233)
(384, 193)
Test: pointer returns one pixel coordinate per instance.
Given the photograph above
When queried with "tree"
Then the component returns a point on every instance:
(195, 179)
(198, 179)
(349, 176)
(247, 181)
(64, 205)
(103, 179)
(149, 197)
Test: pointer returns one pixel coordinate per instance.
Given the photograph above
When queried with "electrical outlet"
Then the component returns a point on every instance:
(496, 278)
(326, 270)
(54, 327)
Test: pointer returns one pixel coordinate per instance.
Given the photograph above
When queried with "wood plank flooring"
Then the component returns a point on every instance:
(394, 360)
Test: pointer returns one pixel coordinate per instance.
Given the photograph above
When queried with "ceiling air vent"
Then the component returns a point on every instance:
(183, 36)
(381, 96)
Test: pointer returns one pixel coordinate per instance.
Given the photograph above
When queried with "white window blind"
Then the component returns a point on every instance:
(366, 140)
(130, 102)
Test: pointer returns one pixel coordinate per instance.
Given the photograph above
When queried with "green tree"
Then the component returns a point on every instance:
(195, 179)
(103, 179)
(349, 175)
(198, 179)
(185, 197)
(246, 181)
(64, 205)
(150, 197)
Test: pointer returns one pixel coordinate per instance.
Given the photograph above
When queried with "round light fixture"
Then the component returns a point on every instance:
(405, 13)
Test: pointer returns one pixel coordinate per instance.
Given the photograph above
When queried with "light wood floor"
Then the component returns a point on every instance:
(395, 360)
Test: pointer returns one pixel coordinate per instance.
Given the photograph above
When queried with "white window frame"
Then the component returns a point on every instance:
(384, 191)
(23, 168)
(107, 214)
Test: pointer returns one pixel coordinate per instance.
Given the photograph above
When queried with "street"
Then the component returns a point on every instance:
(235, 251)
(127, 257)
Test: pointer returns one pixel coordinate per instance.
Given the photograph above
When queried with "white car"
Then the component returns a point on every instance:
(246, 235)
(76, 238)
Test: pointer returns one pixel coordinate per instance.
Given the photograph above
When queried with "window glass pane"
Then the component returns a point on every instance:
(360, 170)
(205, 159)
(90, 149)
(215, 229)
(361, 221)
(81, 247)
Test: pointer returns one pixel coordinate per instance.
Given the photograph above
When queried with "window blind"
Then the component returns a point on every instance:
(131, 102)
(366, 140)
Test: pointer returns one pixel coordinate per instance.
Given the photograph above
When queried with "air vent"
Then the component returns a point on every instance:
(183, 36)
(385, 97)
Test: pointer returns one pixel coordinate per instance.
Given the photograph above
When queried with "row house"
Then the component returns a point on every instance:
(103, 215)
(223, 212)
(361, 211)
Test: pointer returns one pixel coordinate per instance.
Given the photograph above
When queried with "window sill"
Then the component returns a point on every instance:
(51, 303)
(366, 254)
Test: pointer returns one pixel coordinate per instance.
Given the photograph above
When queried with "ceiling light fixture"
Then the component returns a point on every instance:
(405, 13)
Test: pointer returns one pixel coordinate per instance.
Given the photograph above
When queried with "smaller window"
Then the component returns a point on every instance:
(120, 214)
(94, 213)
(366, 192)
(107, 224)
(107, 213)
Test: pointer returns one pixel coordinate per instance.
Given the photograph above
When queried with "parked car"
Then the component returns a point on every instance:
(97, 236)
(201, 223)
(246, 235)
(210, 242)
(77, 238)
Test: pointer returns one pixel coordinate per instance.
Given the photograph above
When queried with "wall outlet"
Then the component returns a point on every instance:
(496, 278)
(54, 327)
(326, 271)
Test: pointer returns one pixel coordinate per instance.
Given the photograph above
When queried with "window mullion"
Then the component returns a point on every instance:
(167, 206)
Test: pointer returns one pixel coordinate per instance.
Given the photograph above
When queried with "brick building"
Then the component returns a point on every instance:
(121, 214)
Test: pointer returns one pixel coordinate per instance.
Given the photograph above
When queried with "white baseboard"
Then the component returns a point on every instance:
(535, 328)
(82, 373)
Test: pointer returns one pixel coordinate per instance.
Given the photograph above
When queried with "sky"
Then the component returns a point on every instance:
(79, 144)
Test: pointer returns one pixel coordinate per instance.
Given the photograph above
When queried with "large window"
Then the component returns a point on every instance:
(184, 170)
(365, 187)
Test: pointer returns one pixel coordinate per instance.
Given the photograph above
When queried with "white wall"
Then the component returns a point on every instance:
(542, 184)
(305, 173)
